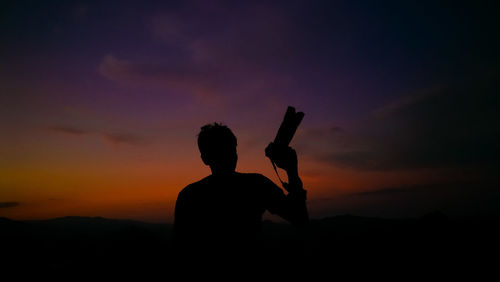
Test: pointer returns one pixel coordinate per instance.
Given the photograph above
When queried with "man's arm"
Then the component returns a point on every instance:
(292, 206)
(295, 208)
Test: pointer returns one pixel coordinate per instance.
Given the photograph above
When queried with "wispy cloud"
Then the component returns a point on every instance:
(407, 101)
(382, 192)
(67, 130)
(453, 198)
(4, 205)
(176, 76)
(453, 126)
(200, 61)
(123, 138)
(112, 138)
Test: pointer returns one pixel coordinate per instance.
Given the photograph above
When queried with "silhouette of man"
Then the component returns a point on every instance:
(222, 213)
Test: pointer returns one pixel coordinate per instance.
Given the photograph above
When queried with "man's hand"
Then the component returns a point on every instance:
(283, 157)
(286, 158)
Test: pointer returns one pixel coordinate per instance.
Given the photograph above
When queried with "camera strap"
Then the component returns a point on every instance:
(277, 174)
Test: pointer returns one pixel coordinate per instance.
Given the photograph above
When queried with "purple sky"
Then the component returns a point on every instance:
(398, 97)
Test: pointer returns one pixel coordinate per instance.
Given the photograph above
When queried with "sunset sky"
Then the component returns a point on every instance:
(101, 102)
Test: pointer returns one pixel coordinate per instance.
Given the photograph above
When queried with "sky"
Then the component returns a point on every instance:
(101, 102)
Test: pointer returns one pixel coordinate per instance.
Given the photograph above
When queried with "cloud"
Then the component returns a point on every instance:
(406, 101)
(4, 205)
(382, 192)
(67, 130)
(454, 198)
(113, 138)
(123, 138)
(257, 32)
(215, 51)
(452, 126)
(177, 76)
(336, 129)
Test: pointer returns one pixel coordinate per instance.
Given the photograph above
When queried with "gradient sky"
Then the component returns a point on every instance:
(101, 102)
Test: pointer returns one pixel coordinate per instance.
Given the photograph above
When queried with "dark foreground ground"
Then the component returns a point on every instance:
(79, 245)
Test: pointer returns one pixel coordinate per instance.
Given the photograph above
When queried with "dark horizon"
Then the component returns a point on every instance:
(276, 220)
(429, 245)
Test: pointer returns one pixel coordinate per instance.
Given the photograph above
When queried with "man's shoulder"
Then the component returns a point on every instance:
(256, 178)
(252, 175)
(193, 187)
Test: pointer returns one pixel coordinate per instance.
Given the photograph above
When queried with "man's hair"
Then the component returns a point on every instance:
(215, 135)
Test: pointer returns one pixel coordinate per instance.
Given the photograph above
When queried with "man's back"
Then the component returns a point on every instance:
(222, 209)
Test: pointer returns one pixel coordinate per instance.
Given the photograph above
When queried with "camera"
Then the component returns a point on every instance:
(286, 131)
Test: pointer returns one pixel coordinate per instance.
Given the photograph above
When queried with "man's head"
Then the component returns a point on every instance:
(217, 145)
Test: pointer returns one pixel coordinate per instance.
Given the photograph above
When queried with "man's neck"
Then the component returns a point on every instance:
(224, 174)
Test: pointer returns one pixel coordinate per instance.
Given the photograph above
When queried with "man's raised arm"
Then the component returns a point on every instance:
(292, 206)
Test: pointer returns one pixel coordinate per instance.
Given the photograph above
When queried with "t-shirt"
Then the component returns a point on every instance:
(228, 211)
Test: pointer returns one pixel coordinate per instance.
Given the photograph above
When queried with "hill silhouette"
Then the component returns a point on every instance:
(72, 244)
